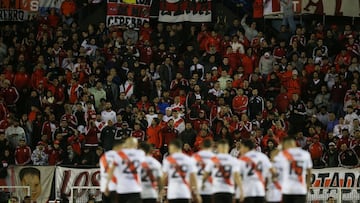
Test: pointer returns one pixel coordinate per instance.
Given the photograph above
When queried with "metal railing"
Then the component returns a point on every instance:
(339, 194)
(18, 191)
(81, 194)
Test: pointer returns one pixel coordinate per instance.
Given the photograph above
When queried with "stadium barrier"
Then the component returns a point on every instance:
(81, 194)
(18, 191)
(339, 194)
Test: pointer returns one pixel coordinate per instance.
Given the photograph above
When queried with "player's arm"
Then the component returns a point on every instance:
(194, 188)
(238, 182)
(109, 178)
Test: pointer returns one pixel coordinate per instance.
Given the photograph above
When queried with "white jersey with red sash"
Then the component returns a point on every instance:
(222, 168)
(203, 158)
(151, 171)
(273, 187)
(127, 88)
(179, 124)
(128, 163)
(178, 168)
(293, 165)
(106, 161)
(256, 168)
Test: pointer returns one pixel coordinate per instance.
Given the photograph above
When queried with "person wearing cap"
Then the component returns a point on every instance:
(22, 153)
(266, 64)
(330, 157)
(316, 149)
(39, 156)
(55, 154)
(293, 84)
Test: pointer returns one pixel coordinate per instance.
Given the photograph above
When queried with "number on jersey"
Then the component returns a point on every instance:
(224, 171)
(131, 167)
(296, 168)
(254, 167)
(180, 171)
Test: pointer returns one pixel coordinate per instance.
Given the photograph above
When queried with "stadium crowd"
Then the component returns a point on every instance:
(67, 94)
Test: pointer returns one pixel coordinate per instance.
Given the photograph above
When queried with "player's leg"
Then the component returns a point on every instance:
(149, 200)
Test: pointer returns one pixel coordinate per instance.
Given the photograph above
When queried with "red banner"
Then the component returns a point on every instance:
(17, 10)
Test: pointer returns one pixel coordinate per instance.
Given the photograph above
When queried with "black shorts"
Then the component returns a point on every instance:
(254, 199)
(294, 198)
(207, 198)
(273, 202)
(179, 201)
(223, 198)
(149, 200)
(129, 198)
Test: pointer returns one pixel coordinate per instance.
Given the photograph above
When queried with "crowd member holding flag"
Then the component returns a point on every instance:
(295, 165)
(180, 175)
(256, 168)
(224, 170)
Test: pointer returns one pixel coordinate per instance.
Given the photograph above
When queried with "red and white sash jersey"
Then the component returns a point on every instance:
(254, 171)
(203, 158)
(179, 175)
(222, 170)
(150, 173)
(106, 162)
(273, 187)
(293, 165)
(129, 170)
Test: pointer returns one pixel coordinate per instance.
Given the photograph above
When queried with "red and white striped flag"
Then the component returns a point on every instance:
(272, 7)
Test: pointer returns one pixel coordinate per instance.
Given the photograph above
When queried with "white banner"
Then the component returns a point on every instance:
(184, 10)
(66, 178)
(45, 5)
(39, 178)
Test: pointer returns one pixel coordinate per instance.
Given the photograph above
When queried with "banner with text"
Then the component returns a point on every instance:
(39, 178)
(184, 10)
(320, 7)
(134, 13)
(336, 178)
(45, 5)
(66, 178)
(18, 10)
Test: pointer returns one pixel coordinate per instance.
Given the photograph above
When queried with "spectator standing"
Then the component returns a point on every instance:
(331, 156)
(297, 114)
(39, 156)
(22, 153)
(347, 157)
(14, 133)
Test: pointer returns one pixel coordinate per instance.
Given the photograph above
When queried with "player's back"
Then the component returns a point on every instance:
(150, 172)
(203, 158)
(273, 187)
(294, 163)
(129, 170)
(178, 167)
(222, 170)
(256, 168)
(106, 161)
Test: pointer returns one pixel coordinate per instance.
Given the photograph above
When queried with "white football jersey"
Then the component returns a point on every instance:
(148, 176)
(108, 115)
(273, 192)
(177, 189)
(203, 158)
(129, 172)
(254, 171)
(106, 162)
(294, 163)
(222, 173)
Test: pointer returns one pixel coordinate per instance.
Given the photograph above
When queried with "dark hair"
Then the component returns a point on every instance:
(206, 143)
(177, 143)
(248, 143)
(29, 171)
(146, 147)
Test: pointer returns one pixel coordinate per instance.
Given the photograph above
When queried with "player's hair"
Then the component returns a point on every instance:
(29, 171)
(176, 143)
(223, 142)
(206, 143)
(248, 143)
(289, 139)
(146, 147)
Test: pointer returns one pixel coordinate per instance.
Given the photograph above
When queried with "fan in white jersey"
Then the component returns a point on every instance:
(128, 165)
(203, 157)
(180, 175)
(224, 170)
(151, 174)
(295, 164)
(254, 171)
(106, 161)
(273, 187)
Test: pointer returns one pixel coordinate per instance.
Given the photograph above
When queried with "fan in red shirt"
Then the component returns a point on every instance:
(240, 102)
(202, 135)
(153, 133)
(55, 154)
(22, 153)
(75, 141)
(316, 150)
(21, 79)
(198, 122)
(10, 93)
(138, 133)
(91, 134)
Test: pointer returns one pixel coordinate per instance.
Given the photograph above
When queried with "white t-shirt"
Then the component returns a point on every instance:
(273, 192)
(108, 115)
(129, 180)
(227, 166)
(177, 189)
(106, 162)
(294, 172)
(203, 158)
(148, 191)
(150, 117)
(254, 171)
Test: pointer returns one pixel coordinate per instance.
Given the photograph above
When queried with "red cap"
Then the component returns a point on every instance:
(41, 143)
(57, 142)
